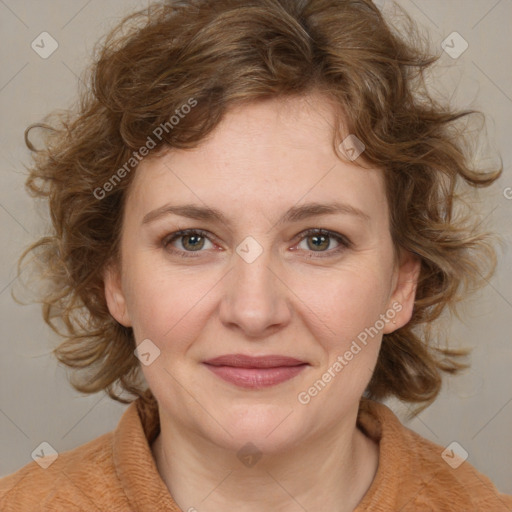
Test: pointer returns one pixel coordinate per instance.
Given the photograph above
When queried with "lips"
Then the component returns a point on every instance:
(255, 372)
(243, 361)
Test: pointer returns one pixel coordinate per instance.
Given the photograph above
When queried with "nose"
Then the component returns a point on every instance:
(256, 299)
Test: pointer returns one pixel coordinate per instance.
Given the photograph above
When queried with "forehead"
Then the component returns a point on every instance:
(266, 155)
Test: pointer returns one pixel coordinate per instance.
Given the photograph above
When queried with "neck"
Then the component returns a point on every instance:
(331, 471)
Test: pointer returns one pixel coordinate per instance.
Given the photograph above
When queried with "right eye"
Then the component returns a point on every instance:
(191, 240)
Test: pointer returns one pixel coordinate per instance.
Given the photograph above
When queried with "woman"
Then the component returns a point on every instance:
(253, 229)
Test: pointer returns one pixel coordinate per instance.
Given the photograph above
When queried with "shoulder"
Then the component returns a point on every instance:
(446, 475)
(421, 475)
(69, 482)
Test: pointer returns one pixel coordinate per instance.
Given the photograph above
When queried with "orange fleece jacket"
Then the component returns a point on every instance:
(116, 473)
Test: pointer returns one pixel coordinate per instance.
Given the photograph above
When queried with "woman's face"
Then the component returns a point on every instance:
(252, 282)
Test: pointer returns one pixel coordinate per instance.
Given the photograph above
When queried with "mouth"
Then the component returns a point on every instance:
(255, 372)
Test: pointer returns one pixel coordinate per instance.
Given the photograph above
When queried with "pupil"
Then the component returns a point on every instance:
(319, 238)
(195, 239)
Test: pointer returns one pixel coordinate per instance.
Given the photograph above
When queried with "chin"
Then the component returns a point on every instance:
(269, 427)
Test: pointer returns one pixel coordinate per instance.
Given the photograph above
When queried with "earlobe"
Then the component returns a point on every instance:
(404, 293)
(114, 295)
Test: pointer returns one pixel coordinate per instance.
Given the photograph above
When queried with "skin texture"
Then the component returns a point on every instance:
(295, 299)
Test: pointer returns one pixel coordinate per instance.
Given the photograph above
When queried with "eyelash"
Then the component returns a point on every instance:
(344, 242)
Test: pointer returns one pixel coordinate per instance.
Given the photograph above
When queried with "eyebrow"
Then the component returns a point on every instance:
(294, 214)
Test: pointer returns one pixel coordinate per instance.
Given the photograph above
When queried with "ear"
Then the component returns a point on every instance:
(405, 282)
(114, 295)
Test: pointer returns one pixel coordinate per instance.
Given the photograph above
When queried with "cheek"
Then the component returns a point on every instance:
(165, 305)
(347, 327)
(347, 301)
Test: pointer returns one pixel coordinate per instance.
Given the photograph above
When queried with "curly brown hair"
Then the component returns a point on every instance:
(212, 55)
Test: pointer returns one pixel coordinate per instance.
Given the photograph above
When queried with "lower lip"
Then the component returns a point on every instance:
(256, 378)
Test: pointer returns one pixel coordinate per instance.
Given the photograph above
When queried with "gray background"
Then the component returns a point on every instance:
(36, 402)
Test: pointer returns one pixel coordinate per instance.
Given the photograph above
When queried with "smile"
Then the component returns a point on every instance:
(255, 372)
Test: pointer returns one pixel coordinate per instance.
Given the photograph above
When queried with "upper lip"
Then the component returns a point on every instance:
(244, 361)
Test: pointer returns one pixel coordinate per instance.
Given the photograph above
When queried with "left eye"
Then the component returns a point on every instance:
(321, 239)
(194, 240)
